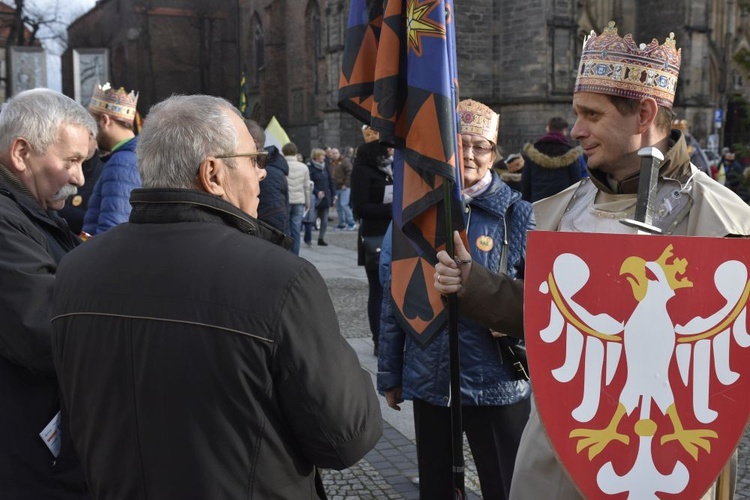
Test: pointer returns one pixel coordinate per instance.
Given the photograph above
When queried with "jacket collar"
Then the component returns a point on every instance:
(555, 137)
(14, 182)
(319, 166)
(497, 198)
(22, 196)
(163, 205)
(676, 164)
(55, 228)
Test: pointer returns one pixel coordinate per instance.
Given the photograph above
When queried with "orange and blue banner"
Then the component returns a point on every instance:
(399, 76)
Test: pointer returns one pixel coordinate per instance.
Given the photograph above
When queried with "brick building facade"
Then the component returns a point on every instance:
(518, 57)
(160, 48)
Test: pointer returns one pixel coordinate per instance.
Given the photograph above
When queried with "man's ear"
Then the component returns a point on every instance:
(20, 150)
(647, 114)
(104, 120)
(211, 176)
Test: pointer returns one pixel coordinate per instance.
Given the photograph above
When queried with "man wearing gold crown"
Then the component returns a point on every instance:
(623, 101)
(109, 205)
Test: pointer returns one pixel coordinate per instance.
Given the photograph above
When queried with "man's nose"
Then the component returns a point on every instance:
(577, 131)
(76, 176)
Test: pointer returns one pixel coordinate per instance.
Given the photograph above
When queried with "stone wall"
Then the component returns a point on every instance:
(187, 47)
(520, 58)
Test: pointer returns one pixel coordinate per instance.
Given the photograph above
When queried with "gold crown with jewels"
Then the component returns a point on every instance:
(476, 118)
(618, 66)
(118, 104)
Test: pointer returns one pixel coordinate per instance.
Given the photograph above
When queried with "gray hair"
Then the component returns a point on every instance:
(37, 115)
(179, 133)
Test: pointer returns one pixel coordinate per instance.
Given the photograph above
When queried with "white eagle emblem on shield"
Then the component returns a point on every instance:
(637, 362)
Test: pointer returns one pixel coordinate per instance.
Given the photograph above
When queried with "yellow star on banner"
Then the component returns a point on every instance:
(417, 24)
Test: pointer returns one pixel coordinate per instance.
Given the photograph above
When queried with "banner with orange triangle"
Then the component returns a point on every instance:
(399, 76)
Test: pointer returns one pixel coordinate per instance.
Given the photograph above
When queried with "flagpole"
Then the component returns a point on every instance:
(457, 433)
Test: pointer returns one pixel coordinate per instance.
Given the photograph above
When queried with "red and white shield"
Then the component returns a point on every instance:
(639, 356)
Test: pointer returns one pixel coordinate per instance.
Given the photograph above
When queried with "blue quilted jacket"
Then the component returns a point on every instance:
(486, 380)
(109, 204)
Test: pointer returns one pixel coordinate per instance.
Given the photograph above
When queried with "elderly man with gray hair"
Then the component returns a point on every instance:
(44, 139)
(198, 359)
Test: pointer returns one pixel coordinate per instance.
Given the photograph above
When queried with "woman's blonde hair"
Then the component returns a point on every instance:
(317, 153)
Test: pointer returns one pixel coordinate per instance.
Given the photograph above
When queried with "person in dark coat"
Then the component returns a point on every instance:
(200, 359)
(324, 191)
(372, 203)
(551, 163)
(509, 170)
(274, 191)
(44, 139)
(735, 175)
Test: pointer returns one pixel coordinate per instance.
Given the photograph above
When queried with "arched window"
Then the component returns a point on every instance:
(258, 48)
(314, 37)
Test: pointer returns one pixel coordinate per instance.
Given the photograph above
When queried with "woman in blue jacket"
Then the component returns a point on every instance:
(495, 398)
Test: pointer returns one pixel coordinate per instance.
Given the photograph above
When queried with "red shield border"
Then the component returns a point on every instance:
(607, 291)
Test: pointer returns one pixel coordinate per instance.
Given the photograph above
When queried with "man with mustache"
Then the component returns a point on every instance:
(44, 139)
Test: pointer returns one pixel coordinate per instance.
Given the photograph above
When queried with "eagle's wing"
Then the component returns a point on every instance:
(702, 339)
(587, 336)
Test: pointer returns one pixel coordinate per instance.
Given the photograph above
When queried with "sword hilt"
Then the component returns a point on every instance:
(648, 179)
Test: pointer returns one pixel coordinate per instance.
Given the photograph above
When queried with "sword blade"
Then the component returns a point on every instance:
(648, 179)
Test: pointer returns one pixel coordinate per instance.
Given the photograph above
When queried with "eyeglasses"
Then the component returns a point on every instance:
(478, 150)
(258, 158)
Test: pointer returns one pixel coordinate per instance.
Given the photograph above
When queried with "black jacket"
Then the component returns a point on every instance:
(273, 207)
(322, 178)
(200, 361)
(551, 165)
(32, 242)
(369, 184)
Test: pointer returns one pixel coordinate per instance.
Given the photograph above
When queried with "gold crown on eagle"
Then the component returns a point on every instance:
(477, 118)
(618, 66)
(118, 104)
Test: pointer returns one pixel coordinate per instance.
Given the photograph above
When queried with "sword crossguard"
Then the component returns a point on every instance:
(641, 226)
(650, 152)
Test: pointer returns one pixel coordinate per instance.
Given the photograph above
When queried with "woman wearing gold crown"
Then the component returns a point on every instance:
(494, 395)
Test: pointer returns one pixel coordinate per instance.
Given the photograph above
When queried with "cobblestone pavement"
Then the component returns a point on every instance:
(389, 471)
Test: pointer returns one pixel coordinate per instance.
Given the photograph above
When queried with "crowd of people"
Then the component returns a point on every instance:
(180, 353)
(184, 350)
